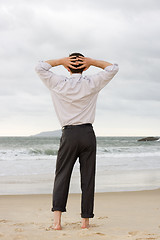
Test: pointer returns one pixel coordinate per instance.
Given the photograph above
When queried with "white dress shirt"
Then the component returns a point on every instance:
(75, 97)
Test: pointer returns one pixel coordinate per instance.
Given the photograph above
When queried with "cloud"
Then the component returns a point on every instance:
(126, 32)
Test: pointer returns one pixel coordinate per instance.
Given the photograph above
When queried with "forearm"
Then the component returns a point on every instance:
(99, 63)
(87, 62)
(55, 62)
(66, 62)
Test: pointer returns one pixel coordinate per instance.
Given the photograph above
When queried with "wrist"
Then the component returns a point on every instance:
(90, 61)
(54, 62)
(93, 62)
(60, 61)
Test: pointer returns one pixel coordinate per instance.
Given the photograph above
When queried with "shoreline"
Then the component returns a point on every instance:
(96, 193)
(106, 181)
(118, 215)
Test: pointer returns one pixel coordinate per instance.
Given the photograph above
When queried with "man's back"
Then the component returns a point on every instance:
(75, 97)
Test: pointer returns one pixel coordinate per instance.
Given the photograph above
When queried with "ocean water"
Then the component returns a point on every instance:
(27, 165)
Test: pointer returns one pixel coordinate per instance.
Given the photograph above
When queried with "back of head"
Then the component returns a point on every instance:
(76, 70)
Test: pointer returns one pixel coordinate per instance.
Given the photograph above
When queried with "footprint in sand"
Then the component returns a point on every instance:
(20, 237)
(87, 233)
(133, 233)
(100, 234)
(18, 224)
(3, 221)
(75, 225)
(23, 224)
(1, 234)
(102, 217)
(146, 238)
(33, 223)
(19, 230)
(48, 228)
(93, 225)
(62, 235)
(151, 238)
(78, 224)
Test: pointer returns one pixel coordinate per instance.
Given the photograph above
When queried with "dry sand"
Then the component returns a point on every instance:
(123, 215)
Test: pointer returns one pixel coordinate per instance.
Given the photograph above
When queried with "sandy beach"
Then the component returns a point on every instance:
(119, 215)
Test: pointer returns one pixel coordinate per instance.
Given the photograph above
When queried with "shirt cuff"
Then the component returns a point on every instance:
(46, 66)
(111, 68)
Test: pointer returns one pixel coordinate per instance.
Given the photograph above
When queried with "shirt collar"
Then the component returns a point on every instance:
(76, 74)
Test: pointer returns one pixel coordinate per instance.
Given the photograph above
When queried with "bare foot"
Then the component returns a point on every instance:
(85, 223)
(57, 227)
(54, 227)
(57, 220)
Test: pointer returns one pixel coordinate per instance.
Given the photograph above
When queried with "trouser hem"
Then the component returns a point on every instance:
(85, 215)
(58, 209)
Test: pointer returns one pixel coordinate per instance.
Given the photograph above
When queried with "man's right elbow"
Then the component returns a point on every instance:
(37, 68)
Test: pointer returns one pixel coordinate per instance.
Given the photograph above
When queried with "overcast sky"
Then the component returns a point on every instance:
(119, 31)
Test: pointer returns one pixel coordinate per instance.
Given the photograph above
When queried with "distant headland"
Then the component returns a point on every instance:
(56, 133)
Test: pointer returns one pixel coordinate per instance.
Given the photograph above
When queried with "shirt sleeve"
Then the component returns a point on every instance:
(49, 78)
(101, 79)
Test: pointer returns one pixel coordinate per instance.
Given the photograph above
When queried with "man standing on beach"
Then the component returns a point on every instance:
(74, 99)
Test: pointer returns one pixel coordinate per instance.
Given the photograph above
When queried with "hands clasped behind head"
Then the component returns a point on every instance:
(76, 62)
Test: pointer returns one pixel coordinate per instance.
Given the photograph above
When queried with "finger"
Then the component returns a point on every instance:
(74, 60)
(73, 63)
(71, 66)
(81, 58)
(72, 57)
(82, 66)
(79, 62)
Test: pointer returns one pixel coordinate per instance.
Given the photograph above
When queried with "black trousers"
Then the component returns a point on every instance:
(77, 141)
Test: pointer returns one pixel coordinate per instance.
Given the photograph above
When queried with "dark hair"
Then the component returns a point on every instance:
(76, 70)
